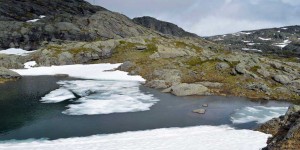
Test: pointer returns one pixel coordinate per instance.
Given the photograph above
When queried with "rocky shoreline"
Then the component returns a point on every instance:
(285, 130)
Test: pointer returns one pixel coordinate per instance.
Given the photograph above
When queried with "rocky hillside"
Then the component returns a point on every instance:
(162, 27)
(23, 10)
(28, 24)
(285, 130)
(181, 66)
(283, 41)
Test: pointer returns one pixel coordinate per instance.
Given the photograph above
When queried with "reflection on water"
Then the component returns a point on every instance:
(23, 116)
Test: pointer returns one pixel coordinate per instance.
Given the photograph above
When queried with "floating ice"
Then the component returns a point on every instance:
(92, 71)
(29, 64)
(189, 138)
(101, 97)
(259, 114)
(15, 51)
(58, 95)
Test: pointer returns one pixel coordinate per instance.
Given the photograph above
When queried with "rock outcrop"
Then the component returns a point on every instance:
(8, 74)
(162, 26)
(285, 130)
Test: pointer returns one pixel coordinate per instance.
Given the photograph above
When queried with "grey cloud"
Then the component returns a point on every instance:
(211, 17)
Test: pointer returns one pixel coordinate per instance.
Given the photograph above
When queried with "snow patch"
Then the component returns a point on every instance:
(259, 114)
(29, 64)
(284, 44)
(247, 33)
(189, 138)
(35, 20)
(218, 39)
(249, 49)
(246, 41)
(92, 71)
(251, 44)
(265, 39)
(15, 51)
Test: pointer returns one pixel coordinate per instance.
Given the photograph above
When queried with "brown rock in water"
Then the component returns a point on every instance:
(285, 130)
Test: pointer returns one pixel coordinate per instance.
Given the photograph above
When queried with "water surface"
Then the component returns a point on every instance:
(23, 116)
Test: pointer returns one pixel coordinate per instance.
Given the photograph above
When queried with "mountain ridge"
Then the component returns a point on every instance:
(162, 26)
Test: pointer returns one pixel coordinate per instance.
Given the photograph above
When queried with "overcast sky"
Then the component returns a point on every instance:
(212, 17)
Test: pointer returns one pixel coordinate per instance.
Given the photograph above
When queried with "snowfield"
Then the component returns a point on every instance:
(15, 51)
(92, 71)
(189, 138)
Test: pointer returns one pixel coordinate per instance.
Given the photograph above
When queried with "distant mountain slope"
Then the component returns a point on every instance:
(284, 41)
(162, 26)
(27, 24)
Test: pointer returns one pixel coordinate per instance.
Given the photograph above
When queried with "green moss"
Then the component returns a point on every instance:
(233, 64)
(151, 48)
(194, 61)
(254, 69)
(78, 50)
(180, 44)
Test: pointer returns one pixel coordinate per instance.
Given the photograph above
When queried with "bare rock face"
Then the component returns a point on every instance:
(72, 20)
(162, 26)
(285, 130)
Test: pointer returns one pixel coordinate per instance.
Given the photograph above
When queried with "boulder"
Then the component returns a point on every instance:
(172, 76)
(211, 84)
(141, 47)
(8, 74)
(263, 72)
(185, 89)
(283, 79)
(222, 66)
(126, 66)
(241, 68)
(258, 87)
(157, 84)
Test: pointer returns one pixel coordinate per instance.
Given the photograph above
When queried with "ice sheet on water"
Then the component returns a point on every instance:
(259, 114)
(57, 96)
(101, 97)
